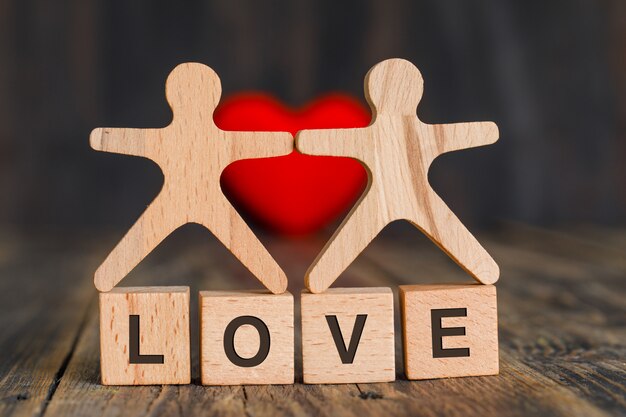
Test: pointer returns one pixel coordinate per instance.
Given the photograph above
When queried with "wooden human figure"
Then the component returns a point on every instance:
(192, 152)
(397, 150)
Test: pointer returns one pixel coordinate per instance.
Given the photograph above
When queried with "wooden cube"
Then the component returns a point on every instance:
(348, 336)
(449, 330)
(144, 336)
(246, 337)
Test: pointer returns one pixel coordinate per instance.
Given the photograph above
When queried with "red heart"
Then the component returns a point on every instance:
(294, 194)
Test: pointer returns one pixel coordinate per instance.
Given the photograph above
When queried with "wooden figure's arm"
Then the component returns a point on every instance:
(249, 145)
(332, 142)
(456, 136)
(135, 142)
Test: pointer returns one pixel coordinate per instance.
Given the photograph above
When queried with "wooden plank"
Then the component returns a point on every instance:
(591, 243)
(561, 337)
(44, 295)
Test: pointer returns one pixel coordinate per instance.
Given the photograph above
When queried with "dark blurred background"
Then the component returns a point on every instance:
(552, 74)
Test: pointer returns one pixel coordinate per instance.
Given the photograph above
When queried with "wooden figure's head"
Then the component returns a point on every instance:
(394, 86)
(193, 89)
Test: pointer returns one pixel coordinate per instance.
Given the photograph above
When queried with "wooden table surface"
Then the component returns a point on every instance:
(562, 313)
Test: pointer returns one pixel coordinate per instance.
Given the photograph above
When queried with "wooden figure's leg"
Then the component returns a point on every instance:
(154, 225)
(357, 230)
(348, 336)
(449, 330)
(144, 336)
(445, 229)
(231, 230)
(246, 337)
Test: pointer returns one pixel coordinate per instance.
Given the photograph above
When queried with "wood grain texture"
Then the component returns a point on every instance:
(41, 323)
(163, 330)
(373, 359)
(561, 322)
(478, 338)
(397, 149)
(192, 153)
(218, 309)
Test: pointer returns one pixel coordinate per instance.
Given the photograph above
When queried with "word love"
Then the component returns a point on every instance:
(247, 337)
